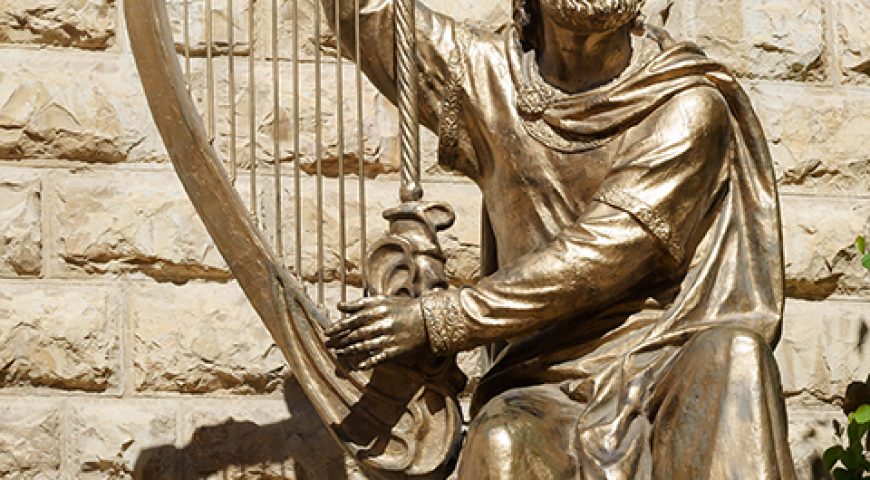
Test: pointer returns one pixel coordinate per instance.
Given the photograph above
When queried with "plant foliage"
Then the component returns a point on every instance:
(861, 245)
(851, 463)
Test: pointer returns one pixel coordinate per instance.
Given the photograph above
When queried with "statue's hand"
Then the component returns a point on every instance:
(378, 329)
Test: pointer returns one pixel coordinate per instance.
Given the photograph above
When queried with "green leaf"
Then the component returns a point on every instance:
(862, 415)
(861, 244)
(852, 459)
(856, 432)
(842, 474)
(866, 261)
(832, 456)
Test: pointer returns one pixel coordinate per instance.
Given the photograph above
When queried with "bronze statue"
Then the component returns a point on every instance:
(634, 282)
(633, 273)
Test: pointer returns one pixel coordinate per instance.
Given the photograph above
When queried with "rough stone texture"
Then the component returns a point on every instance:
(90, 109)
(200, 338)
(460, 242)
(778, 39)
(816, 136)
(824, 347)
(853, 35)
(130, 222)
(108, 438)
(59, 336)
(375, 139)
(29, 440)
(819, 237)
(143, 223)
(20, 224)
(489, 14)
(87, 24)
(812, 428)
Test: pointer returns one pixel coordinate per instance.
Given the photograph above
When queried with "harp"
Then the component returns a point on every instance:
(399, 420)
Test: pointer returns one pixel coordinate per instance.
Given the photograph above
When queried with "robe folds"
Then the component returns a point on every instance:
(633, 272)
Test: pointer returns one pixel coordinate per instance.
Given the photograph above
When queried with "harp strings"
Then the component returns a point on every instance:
(231, 89)
(318, 153)
(339, 124)
(186, 40)
(286, 83)
(209, 66)
(252, 112)
(363, 248)
(276, 132)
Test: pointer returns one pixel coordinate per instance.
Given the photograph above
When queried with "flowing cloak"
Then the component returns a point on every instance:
(612, 360)
(619, 223)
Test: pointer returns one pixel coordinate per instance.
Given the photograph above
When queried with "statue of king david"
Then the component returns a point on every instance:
(633, 274)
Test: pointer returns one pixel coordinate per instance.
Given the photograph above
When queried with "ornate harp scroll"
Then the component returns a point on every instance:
(400, 420)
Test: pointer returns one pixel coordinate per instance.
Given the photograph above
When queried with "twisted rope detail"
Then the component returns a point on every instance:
(409, 130)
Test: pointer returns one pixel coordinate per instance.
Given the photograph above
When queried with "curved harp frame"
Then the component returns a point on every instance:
(399, 421)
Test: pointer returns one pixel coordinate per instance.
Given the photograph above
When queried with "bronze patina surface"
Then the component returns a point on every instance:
(634, 265)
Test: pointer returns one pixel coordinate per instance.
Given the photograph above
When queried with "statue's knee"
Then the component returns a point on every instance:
(492, 431)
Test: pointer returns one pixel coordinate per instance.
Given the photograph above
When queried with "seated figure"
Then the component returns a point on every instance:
(633, 278)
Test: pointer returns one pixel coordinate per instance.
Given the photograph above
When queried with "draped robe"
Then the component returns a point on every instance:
(623, 227)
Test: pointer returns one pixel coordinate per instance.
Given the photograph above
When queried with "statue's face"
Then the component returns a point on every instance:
(591, 16)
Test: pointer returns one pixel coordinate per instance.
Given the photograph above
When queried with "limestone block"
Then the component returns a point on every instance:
(812, 428)
(819, 236)
(120, 222)
(59, 336)
(20, 224)
(375, 162)
(258, 439)
(489, 14)
(816, 137)
(109, 437)
(143, 223)
(460, 243)
(89, 109)
(824, 347)
(87, 24)
(197, 21)
(777, 39)
(199, 338)
(29, 439)
(853, 35)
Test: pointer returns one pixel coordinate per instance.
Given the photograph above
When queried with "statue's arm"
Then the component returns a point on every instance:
(633, 233)
(436, 39)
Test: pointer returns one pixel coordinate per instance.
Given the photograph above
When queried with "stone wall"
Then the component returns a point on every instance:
(126, 347)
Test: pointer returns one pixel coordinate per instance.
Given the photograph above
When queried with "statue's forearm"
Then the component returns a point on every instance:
(585, 269)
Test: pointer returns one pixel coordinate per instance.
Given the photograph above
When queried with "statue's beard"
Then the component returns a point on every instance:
(591, 15)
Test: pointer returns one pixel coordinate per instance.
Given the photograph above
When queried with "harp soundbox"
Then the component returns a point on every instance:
(401, 419)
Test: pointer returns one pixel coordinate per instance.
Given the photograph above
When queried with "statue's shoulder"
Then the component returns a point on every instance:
(690, 80)
(705, 101)
(698, 111)
(478, 51)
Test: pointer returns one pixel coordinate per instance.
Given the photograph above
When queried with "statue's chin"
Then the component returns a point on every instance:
(591, 16)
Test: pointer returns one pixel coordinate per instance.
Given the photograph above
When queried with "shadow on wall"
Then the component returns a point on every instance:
(297, 448)
(857, 394)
